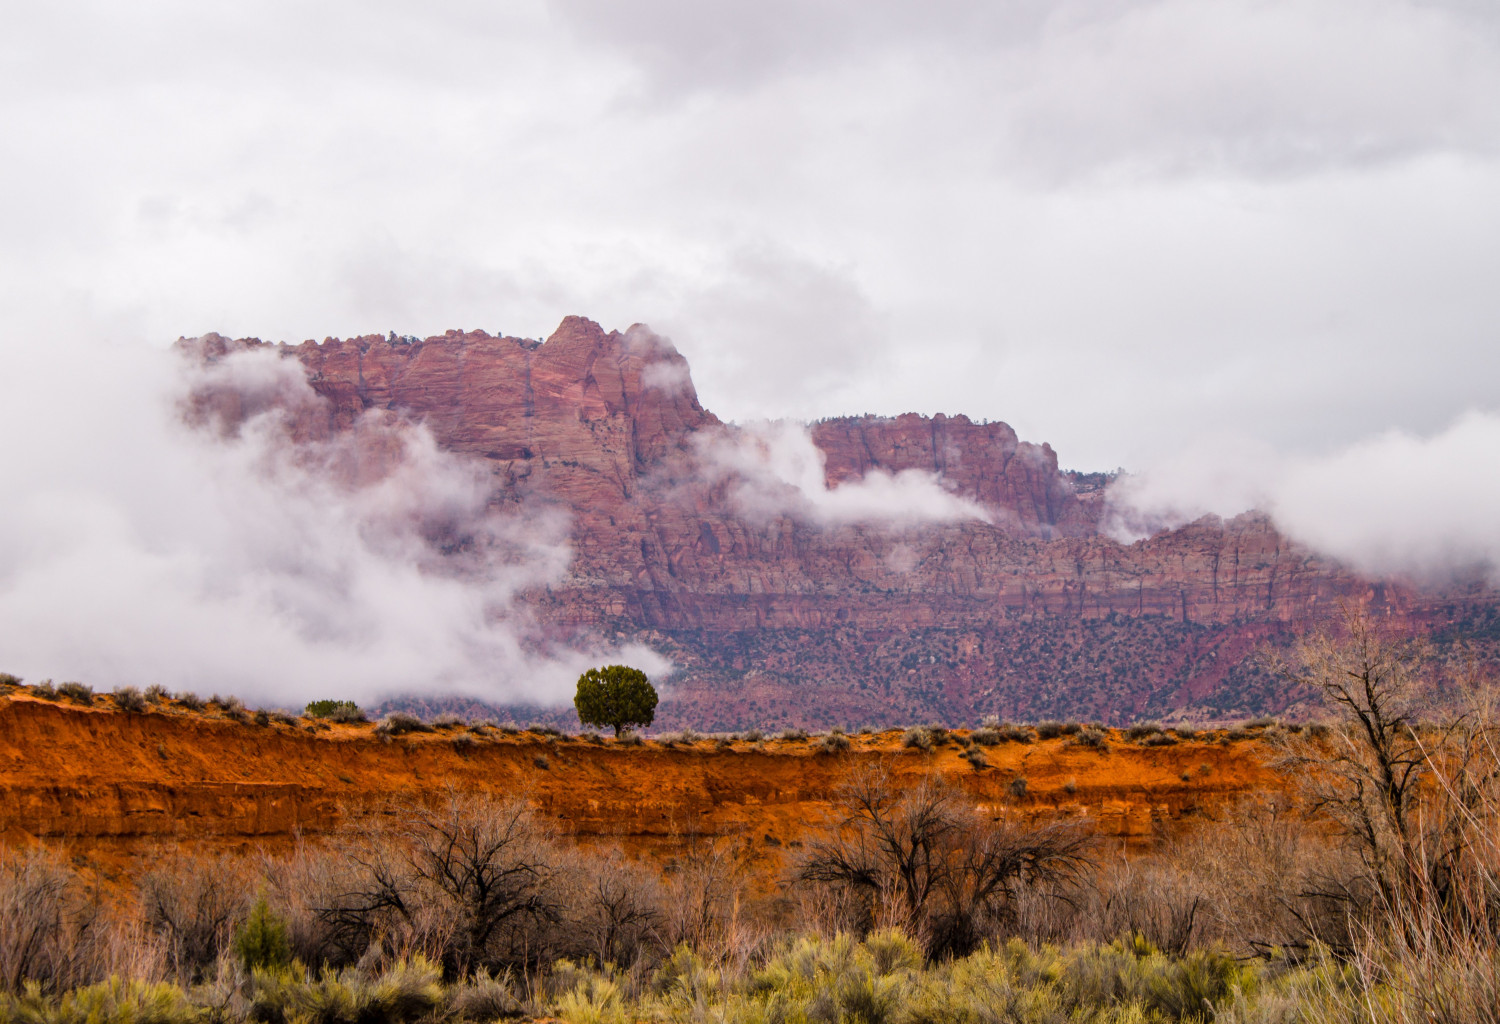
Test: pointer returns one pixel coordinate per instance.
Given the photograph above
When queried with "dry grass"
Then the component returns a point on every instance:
(1384, 906)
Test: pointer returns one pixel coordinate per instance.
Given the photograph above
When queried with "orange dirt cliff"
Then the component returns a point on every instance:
(117, 784)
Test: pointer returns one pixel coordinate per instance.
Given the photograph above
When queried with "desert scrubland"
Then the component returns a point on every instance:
(169, 858)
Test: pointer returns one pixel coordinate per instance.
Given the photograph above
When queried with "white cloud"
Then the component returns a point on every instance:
(1109, 225)
(786, 330)
(1424, 507)
(258, 554)
(773, 469)
(670, 377)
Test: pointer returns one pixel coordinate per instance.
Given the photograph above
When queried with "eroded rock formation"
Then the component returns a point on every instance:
(1021, 608)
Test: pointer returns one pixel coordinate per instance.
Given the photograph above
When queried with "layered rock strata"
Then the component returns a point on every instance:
(952, 616)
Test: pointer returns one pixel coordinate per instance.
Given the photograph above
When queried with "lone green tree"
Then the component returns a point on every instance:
(615, 695)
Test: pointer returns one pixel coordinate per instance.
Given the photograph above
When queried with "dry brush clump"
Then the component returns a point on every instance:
(399, 723)
(1416, 803)
(478, 884)
(1375, 887)
(192, 903)
(78, 693)
(57, 929)
(921, 858)
(129, 699)
(834, 743)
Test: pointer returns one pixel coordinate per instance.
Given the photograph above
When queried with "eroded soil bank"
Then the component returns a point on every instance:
(116, 786)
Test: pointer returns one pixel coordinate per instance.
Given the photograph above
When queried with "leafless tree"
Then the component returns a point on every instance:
(619, 909)
(471, 882)
(193, 901)
(1415, 801)
(923, 857)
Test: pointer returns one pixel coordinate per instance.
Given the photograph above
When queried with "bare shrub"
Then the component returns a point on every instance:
(45, 690)
(752, 736)
(472, 883)
(399, 723)
(1049, 730)
(987, 737)
(300, 888)
(1417, 803)
(795, 735)
(128, 698)
(447, 720)
(976, 758)
(346, 713)
(485, 999)
(704, 889)
(619, 910)
(1091, 737)
(1015, 733)
(918, 738)
(1142, 730)
(8, 682)
(193, 904)
(232, 707)
(53, 930)
(78, 693)
(1257, 882)
(920, 857)
(190, 700)
(834, 743)
(157, 693)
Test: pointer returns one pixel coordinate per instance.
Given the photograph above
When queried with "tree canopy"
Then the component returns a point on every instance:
(615, 695)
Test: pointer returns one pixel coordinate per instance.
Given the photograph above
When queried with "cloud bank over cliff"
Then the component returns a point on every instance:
(1114, 226)
(1106, 224)
(773, 469)
(252, 553)
(1426, 507)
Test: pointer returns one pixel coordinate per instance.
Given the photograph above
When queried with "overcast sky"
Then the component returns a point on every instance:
(1122, 226)
(1248, 249)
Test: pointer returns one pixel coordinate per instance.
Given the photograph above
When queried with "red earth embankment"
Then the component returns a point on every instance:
(116, 785)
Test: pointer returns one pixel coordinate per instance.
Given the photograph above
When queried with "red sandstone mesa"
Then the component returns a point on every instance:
(1034, 612)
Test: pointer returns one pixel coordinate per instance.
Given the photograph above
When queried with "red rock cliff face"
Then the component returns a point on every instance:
(1030, 612)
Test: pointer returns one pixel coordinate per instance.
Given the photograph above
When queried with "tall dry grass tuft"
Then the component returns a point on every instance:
(56, 930)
